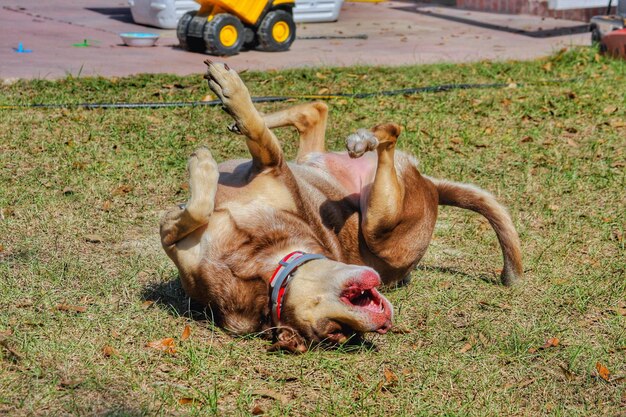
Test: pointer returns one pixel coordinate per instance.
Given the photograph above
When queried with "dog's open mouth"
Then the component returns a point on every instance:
(369, 301)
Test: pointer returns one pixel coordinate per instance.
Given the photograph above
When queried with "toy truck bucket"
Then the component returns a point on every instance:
(249, 11)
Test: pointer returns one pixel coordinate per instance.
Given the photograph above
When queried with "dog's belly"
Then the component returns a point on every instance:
(352, 174)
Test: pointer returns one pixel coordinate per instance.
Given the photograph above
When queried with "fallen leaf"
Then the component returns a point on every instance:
(71, 308)
(547, 66)
(603, 371)
(457, 140)
(106, 206)
(399, 330)
(268, 393)
(186, 333)
(617, 123)
(465, 348)
(164, 345)
(146, 304)
(553, 207)
(70, 382)
(526, 382)
(551, 342)
(526, 139)
(323, 91)
(390, 378)
(109, 351)
(446, 285)
(93, 238)
(320, 76)
(68, 191)
(187, 401)
(572, 143)
(609, 109)
(208, 97)
(257, 410)
(122, 190)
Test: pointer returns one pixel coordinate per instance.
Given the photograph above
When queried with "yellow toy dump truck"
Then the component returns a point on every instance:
(223, 27)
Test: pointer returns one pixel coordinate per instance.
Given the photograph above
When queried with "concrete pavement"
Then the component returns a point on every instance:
(398, 33)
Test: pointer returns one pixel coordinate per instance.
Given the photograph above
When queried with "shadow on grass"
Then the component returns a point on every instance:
(170, 296)
(489, 279)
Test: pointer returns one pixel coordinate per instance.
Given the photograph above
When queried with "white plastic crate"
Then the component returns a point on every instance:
(166, 13)
(160, 13)
(317, 10)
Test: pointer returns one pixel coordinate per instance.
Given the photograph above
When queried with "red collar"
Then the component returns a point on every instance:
(282, 276)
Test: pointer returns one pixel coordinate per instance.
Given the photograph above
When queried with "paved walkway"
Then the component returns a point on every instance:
(398, 33)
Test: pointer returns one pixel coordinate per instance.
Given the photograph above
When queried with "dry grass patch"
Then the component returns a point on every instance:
(86, 288)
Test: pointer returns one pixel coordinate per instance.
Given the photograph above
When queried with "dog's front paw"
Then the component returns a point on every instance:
(360, 142)
(225, 82)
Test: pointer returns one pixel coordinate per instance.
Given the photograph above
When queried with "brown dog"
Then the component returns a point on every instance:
(241, 242)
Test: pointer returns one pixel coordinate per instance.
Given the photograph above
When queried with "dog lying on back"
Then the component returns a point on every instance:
(300, 248)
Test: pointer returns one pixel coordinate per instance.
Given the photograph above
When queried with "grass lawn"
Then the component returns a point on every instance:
(85, 284)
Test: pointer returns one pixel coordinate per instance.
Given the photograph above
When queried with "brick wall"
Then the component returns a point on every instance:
(534, 7)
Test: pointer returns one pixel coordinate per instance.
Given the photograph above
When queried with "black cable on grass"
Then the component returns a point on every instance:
(270, 99)
(360, 36)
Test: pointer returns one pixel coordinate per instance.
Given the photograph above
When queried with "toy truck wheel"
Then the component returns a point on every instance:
(224, 35)
(187, 42)
(277, 31)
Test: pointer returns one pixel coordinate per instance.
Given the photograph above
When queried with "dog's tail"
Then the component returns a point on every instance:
(473, 198)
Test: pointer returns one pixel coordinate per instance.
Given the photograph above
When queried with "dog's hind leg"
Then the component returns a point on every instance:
(310, 120)
(263, 145)
(180, 222)
(396, 229)
(383, 208)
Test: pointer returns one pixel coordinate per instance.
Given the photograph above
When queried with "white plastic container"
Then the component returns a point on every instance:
(166, 13)
(160, 13)
(317, 10)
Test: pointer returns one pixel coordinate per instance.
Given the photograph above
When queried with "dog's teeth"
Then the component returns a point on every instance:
(362, 292)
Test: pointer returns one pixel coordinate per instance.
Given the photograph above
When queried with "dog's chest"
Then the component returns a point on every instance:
(262, 194)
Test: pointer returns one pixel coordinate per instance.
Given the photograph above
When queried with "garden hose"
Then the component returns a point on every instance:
(270, 99)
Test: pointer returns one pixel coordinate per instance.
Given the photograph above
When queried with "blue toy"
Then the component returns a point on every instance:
(20, 49)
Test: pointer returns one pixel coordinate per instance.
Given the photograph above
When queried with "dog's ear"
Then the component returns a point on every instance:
(289, 340)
